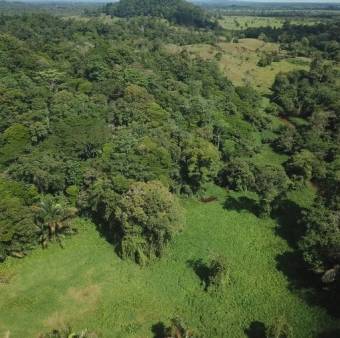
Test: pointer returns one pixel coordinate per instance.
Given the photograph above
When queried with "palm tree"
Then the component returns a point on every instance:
(53, 220)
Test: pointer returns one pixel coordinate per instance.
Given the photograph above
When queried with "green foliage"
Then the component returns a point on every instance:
(266, 59)
(300, 166)
(53, 220)
(280, 328)
(237, 175)
(201, 162)
(271, 184)
(288, 139)
(91, 280)
(218, 274)
(178, 11)
(67, 332)
(13, 141)
(147, 217)
(321, 243)
(18, 233)
(177, 329)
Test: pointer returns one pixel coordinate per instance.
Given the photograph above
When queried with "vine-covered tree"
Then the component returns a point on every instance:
(147, 217)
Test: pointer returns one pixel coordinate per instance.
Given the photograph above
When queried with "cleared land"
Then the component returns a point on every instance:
(235, 22)
(239, 61)
(86, 284)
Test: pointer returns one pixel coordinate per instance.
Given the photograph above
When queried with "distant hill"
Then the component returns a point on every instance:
(178, 11)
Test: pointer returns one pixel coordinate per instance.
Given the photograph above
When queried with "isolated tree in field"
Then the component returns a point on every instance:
(67, 332)
(271, 184)
(148, 216)
(53, 220)
(218, 273)
(177, 329)
(280, 328)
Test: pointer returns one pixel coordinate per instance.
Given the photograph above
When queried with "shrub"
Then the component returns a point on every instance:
(147, 216)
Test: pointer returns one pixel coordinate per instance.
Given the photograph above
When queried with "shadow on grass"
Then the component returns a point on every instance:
(256, 329)
(289, 228)
(308, 285)
(335, 333)
(241, 203)
(158, 330)
(202, 271)
(302, 281)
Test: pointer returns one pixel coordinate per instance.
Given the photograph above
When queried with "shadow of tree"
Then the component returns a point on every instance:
(289, 227)
(302, 281)
(256, 329)
(202, 271)
(335, 333)
(241, 203)
(307, 284)
(158, 330)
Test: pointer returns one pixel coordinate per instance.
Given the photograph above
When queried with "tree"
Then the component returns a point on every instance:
(280, 328)
(320, 245)
(147, 217)
(201, 162)
(271, 184)
(53, 220)
(177, 329)
(17, 229)
(299, 167)
(218, 273)
(288, 139)
(13, 142)
(237, 174)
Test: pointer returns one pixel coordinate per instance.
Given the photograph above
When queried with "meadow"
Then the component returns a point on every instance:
(238, 61)
(237, 23)
(86, 284)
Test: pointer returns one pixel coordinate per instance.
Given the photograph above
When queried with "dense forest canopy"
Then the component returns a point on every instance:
(178, 11)
(102, 119)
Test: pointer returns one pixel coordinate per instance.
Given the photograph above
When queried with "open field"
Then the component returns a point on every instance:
(244, 22)
(239, 61)
(87, 285)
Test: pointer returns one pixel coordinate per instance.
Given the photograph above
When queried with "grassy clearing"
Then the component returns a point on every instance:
(86, 284)
(243, 22)
(239, 61)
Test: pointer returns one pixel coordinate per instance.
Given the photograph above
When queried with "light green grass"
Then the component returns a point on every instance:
(269, 156)
(87, 285)
(239, 61)
(244, 22)
(241, 22)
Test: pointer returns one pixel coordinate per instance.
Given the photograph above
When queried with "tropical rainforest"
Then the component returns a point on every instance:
(169, 170)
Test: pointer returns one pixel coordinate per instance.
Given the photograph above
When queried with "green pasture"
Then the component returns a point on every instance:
(85, 284)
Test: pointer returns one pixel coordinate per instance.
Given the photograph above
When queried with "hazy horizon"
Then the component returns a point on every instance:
(197, 1)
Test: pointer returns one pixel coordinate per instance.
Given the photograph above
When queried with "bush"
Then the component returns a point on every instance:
(321, 244)
(237, 175)
(147, 216)
(67, 332)
(218, 273)
(177, 329)
(279, 329)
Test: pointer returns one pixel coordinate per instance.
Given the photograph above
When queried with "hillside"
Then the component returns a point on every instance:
(178, 11)
(163, 181)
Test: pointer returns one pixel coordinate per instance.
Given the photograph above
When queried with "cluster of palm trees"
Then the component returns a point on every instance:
(53, 220)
